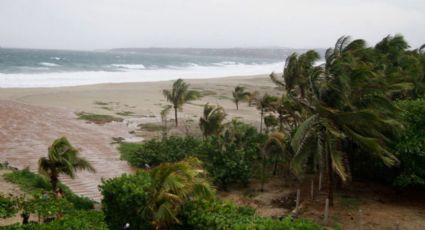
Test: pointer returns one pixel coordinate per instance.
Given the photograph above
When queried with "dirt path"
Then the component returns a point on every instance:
(26, 131)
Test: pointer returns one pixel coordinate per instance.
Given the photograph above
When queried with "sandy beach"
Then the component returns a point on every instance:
(31, 118)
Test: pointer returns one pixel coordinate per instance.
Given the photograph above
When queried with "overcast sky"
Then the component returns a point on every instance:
(103, 24)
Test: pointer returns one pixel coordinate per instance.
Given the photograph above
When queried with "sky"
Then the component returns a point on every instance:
(104, 24)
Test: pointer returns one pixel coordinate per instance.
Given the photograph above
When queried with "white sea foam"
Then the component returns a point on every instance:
(25, 80)
(49, 64)
(129, 66)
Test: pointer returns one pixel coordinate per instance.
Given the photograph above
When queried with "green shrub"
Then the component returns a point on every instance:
(123, 198)
(216, 215)
(231, 157)
(155, 152)
(411, 147)
(76, 220)
(7, 206)
(34, 184)
(228, 158)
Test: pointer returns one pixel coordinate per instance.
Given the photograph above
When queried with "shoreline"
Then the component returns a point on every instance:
(253, 76)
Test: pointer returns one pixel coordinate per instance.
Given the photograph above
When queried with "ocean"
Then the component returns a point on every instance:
(27, 68)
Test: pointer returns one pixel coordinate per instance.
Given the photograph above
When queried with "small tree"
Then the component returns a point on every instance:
(239, 94)
(62, 158)
(264, 105)
(179, 95)
(212, 119)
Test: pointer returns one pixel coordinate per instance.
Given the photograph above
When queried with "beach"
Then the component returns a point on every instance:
(31, 118)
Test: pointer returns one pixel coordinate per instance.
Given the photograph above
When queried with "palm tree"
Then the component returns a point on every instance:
(264, 105)
(288, 111)
(239, 95)
(345, 105)
(62, 158)
(297, 71)
(212, 119)
(172, 185)
(179, 95)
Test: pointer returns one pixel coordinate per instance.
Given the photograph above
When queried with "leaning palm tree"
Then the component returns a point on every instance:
(296, 72)
(272, 151)
(345, 106)
(212, 119)
(239, 95)
(179, 95)
(62, 158)
(172, 185)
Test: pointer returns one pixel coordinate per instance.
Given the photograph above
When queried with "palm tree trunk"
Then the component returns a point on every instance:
(237, 105)
(330, 176)
(175, 116)
(261, 121)
(54, 181)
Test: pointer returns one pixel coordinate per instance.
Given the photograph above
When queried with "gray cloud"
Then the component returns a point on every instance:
(99, 24)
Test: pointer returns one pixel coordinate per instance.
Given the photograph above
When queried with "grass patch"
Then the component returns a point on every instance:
(106, 108)
(32, 183)
(151, 127)
(206, 92)
(97, 118)
(101, 103)
(125, 113)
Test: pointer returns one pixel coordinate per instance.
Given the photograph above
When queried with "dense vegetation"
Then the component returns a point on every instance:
(220, 215)
(127, 198)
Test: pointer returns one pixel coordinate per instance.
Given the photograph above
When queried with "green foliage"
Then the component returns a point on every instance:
(231, 157)
(7, 206)
(411, 147)
(75, 220)
(270, 121)
(123, 198)
(216, 215)
(98, 118)
(212, 119)
(228, 158)
(47, 205)
(35, 184)
(154, 152)
(154, 198)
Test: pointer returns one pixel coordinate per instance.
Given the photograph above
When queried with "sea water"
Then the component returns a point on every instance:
(26, 68)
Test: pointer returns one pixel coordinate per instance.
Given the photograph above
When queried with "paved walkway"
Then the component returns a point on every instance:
(26, 131)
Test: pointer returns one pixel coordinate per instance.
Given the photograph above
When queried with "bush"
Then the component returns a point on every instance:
(228, 158)
(77, 220)
(7, 206)
(231, 157)
(155, 152)
(411, 147)
(34, 184)
(123, 198)
(216, 215)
